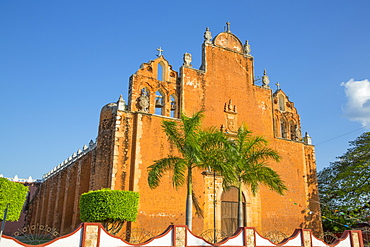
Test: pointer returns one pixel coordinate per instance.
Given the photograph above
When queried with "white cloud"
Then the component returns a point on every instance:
(357, 107)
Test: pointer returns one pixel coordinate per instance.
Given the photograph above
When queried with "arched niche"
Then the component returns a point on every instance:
(161, 71)
(283, 128)
(159, 103)
(173, 106)
(281, 103)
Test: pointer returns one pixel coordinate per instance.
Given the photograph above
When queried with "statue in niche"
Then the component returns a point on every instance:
(207, 36)
(265, 80)
(187, 59)
(247, 48)
(144, 101)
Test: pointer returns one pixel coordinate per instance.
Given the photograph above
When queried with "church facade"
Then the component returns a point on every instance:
(130, 138)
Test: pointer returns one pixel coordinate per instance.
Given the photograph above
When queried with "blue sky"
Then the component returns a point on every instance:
(61, 61)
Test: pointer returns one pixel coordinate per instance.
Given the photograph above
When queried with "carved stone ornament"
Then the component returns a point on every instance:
(144, 102)
(231, 123)
(231, 118)
(207, 36)
(265, 80)
(230, 108)
(247, 48)
(187, 59)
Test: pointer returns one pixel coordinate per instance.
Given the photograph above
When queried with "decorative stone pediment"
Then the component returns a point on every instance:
(229, 41)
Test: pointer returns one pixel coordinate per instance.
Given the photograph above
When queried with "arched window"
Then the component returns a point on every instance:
(160, 71)
(281, 103)
(173, 106)
(282, 129)
(229, 210)
(159, 103)
(292, 127)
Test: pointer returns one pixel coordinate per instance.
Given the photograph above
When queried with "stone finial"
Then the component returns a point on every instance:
(187, 60)
(79, 151)
(307, 139)
(29, 179)
(85, 148)
(265, 80)
(228, 27)
(207, 36)
(247, 48)
(15, 179)
(91, 143)
(230, 107)
(121, 104)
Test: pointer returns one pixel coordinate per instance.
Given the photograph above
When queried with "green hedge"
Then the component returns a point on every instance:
(109, 205)
(15, 194)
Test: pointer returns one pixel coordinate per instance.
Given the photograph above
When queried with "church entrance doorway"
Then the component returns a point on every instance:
(229, 210)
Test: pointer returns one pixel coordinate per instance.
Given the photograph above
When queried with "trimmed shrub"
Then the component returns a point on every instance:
(15, 194)
(107, 206)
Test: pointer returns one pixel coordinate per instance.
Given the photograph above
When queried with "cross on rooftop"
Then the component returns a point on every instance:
(159, 49)
(278, 85)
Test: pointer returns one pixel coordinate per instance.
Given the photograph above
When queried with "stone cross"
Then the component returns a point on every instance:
(159, 49)
(278, 85)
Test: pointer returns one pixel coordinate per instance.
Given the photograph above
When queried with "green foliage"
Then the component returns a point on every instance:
(109, 205)
(250, 154)
(344, 187)
(198, 148)
(15, 194)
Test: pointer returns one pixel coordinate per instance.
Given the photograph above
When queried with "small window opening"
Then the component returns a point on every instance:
(281, 103)
(173, 106)
(160, 72)
(282, 129)
(292, 131)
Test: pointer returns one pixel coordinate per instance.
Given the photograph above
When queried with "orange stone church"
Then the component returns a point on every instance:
(130, 138)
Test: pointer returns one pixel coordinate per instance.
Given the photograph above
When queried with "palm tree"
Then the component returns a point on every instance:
(197, 149)
(248, 155)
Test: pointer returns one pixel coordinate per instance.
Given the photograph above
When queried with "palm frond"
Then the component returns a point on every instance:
(261, 174)
(156, 171)
(196, 204)
(192, 124)
(248, 155)
(174, 135)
